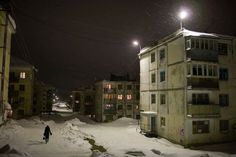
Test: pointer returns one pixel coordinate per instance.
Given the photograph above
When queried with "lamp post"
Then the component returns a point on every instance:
(182, 15)
(136, 43)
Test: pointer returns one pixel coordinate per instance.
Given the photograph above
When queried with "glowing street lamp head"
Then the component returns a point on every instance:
(183, 14)
(135, 43)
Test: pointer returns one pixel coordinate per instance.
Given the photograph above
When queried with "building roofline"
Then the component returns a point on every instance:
(183, 32)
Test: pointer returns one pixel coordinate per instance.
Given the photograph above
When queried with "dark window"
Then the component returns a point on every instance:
(202, 44)
(199, 67)
(153, 98)
(205, 70)
(137, 87)
(162, 54)
(223, 74)
(152, 57)
(206, 44)
(163, 121)
(224, 125)
(210, 70)
(120, 86)
(163, 99)
(194, 69)
(197, 43)
(200, 127)
(120, 107)
(211, 45)
(162, 76)
(153, 78)
(200, 99)
(192, 43)
(129, 87)
(224, 100)
(21, 100)
(223, 48)
(22, 87)
(129, 107)
(137, 96)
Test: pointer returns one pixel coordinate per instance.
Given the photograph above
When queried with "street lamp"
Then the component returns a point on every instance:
(136, 43)
(182, 15)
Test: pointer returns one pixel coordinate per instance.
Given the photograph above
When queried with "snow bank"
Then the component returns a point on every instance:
(10, 151)
(123, 122)
(75, 121)
(10, 129)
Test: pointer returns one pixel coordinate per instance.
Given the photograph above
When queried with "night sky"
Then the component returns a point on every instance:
(74, 42)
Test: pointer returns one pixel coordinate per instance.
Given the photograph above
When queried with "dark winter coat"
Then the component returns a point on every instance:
(47, 131)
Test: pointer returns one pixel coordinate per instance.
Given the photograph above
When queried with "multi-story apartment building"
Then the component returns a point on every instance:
(116, 99)
(7, 28)
(188, 88)
(83, 101)
(43, 97)
(21, 87)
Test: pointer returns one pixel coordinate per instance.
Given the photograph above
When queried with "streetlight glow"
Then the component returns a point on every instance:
(135, 43)
(183, 14)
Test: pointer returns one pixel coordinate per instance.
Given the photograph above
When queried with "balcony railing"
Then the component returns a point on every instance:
(212, 83)
(203, 55)
(203, 110)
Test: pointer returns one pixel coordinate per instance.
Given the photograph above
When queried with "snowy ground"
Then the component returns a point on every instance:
(74, 138)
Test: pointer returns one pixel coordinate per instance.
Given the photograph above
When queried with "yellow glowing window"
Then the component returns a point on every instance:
(120, 97)
(129, 97)
(22, 75)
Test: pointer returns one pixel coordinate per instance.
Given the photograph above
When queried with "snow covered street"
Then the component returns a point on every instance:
(74, 138)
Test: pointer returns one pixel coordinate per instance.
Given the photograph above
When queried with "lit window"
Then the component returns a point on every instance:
(119, 97)
(108, 86)
(129, 97)
(22, 75)
(108, 106)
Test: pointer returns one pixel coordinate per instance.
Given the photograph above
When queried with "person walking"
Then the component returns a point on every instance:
(47, 131)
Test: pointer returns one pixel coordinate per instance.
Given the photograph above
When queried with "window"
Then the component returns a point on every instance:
(189, 69)
(224, 100)
(120, 107)
(129, 87)
(162, 99)
(199, 69)
(153, 78)
(162, 76)
(202, 44)
(197, 43)
(152, 57)
(223, 74)
(210, 70)
(222, 48)
(224, 125)
(137, 87)
(200, 127)
(120, 86)
(153, 98)
(137, 96)
(22, 87)
(163, 121)
(129, 97)
(22, 75)
(120, 97)
(188, 46)
(205, 70)
(108, 86)
(21, 100)
(109, 106)
(129, 107)
(206, 44)
(162, 54)
(192, 43)
(200, 99)
(194, 69)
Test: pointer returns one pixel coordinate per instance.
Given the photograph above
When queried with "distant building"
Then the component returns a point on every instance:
(7, 28)
(188, 88)
(116, 98)
(83, 101)
(21, 87)
(43, 97)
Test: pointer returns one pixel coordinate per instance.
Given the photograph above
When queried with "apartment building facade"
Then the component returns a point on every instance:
(21, 87)
(83, 101)
(7, 28)
(188, 86)
(116, 99)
